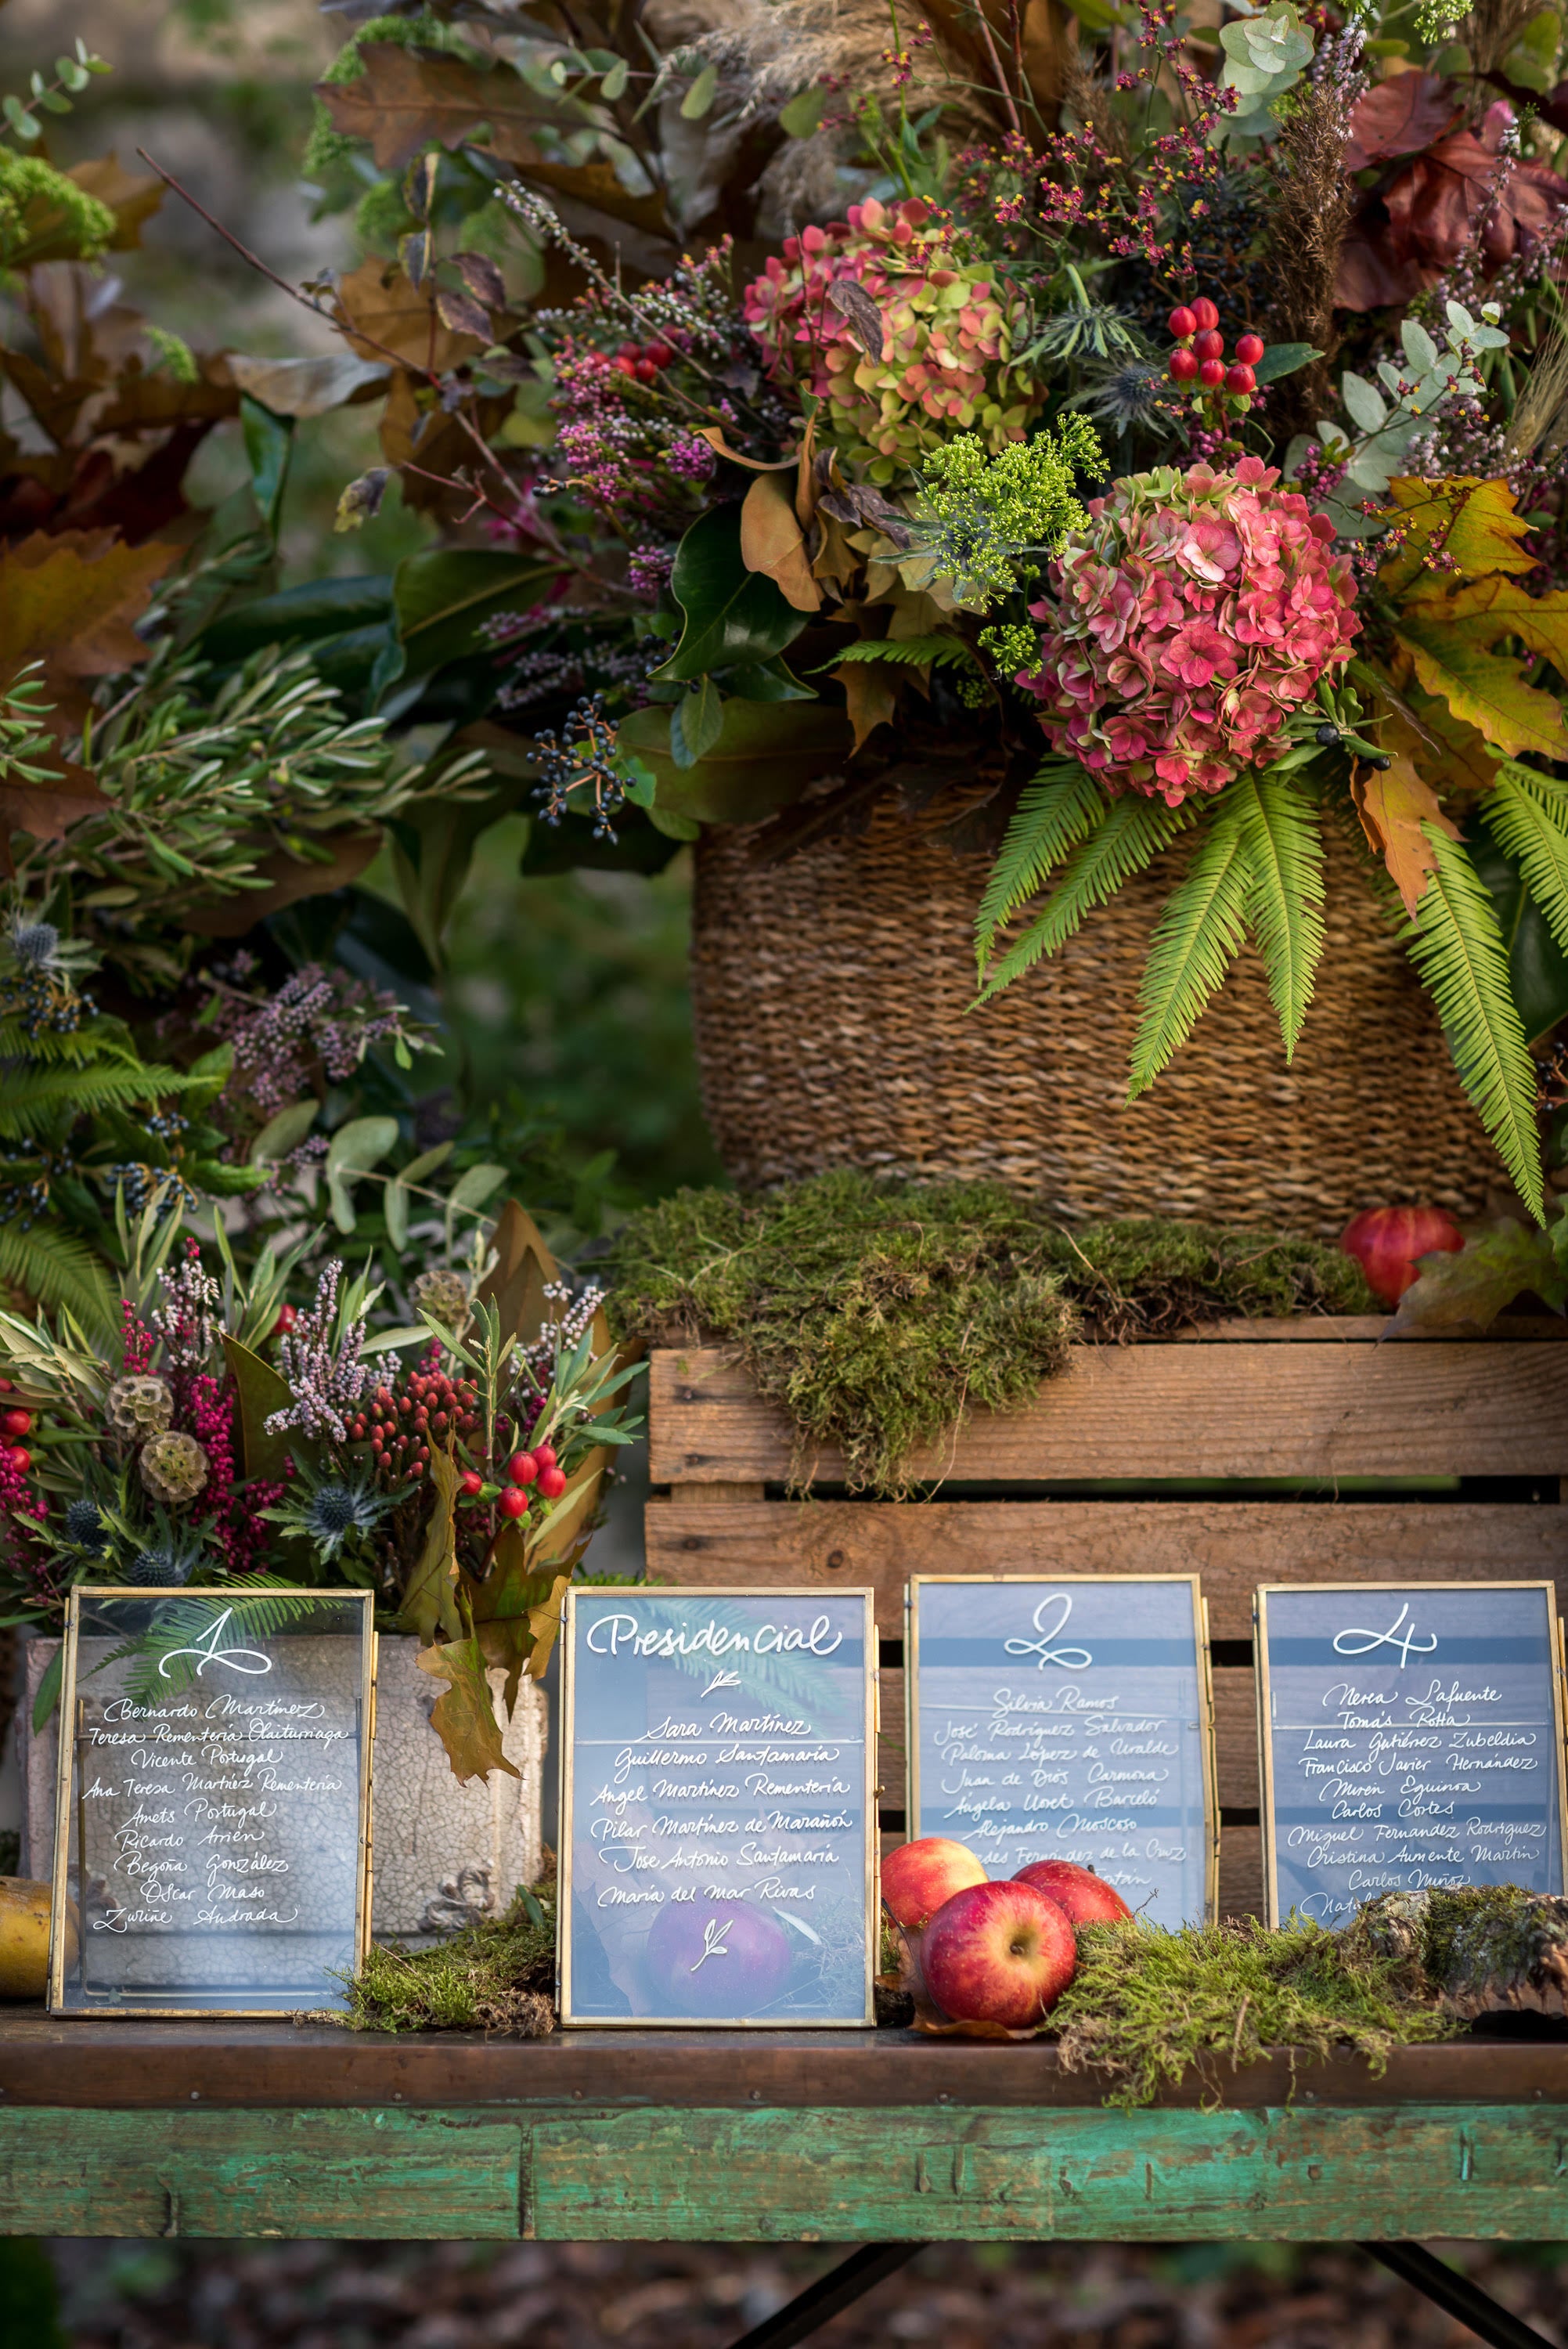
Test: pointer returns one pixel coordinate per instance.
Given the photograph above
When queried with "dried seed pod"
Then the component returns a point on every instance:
(173, 1468)
(138, 1406)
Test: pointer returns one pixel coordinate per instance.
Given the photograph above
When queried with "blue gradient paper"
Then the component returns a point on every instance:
(1412, 1738)
(718, 1816)
(1066, 1720)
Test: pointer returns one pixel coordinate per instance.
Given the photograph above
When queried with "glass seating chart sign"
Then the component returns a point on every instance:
(213, 1834)
(1067, 1720)
(1411, 1734)
(719, 1807)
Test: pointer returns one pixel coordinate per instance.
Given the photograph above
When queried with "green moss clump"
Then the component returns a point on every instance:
(497, 1975)
(876, 1314)
(1145, 2005)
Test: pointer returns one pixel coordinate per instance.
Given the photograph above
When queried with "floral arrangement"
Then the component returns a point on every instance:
(1169, 413)
(450, 1464)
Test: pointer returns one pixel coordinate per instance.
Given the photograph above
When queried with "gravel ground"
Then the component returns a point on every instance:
(705, 2296)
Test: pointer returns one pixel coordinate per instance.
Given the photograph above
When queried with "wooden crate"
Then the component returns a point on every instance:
(1429, 1461)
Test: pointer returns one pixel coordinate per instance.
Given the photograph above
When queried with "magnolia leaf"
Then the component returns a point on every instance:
(772, 542)
(766, 754)
(301, 387)
(443, 595)
(697, 721)
(1472, 522)
(261, 1390)
(1486, 690)
(428, 1604)
(871, 696)
(403, 101)
(522, 1269)
(1393, 806)
(463, 1715)
(1467, 1288)
(714, 435)
(733, 615)
(383, 316)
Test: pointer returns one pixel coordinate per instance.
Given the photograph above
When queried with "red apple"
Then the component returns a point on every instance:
(998, 1953)
(717, 1956)
(1086, 1898)
(1385, 1242)
(919, 1876)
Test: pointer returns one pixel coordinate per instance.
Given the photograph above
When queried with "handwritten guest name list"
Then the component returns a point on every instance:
(718, 1807)
(214, 1809)
(1412, 1736)
(1066, 1721)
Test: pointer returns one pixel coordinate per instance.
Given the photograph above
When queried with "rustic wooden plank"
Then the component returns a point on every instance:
(1457, 1409)
(140, 2066)
(421, 2176)
(1232, 1544)
(1301, 2174)
(1241, 1871)
(1337, 1330)
(1354, 1409)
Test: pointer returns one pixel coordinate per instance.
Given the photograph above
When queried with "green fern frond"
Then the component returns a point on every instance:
(76, 1047)
(911, 652)
(60, 1273)
(1130, 835)
(33, 1097)
(1284, 851)
(1195, 941)
(1062, 804)
(1527, 815)
(1456, 946)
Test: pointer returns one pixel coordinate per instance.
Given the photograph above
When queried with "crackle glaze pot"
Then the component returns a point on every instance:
(444, 1855)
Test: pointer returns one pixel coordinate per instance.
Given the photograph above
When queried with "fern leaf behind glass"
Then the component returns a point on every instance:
(1195, 940)
(1456, 946)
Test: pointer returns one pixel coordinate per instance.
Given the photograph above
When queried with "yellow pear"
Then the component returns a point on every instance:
(25, 1938)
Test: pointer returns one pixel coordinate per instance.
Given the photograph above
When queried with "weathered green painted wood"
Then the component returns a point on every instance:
(402, 2175)
(842, 2176)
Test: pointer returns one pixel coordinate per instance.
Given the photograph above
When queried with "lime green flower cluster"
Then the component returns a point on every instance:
(46, 216)
(988, 524)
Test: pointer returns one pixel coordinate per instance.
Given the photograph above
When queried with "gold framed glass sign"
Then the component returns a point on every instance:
(718, 1822)
(1069, 1719)
(1410, 1735)
(213, 1829)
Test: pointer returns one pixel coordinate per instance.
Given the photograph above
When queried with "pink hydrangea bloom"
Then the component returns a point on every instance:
(946, 363)
(1184, 624)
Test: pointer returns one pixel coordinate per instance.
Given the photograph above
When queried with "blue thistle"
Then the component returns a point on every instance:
(85, 1525)
(333, 1510)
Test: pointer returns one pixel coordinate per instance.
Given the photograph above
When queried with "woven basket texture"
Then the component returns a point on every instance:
(832, 998)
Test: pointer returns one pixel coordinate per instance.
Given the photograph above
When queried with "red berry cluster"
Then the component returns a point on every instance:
(644, 360)
(14, 1425)
(539, 1467)
(1199, 357)
(401, 1428)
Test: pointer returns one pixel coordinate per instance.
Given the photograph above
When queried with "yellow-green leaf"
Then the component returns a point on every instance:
(1484, 688)
(463, 1716)
(1470, 522)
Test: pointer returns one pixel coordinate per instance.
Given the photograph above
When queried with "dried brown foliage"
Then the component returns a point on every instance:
(1316, 201)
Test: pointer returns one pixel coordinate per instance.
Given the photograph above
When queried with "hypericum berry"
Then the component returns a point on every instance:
(1240, 379)
(546, 1454)
(658, 355)
(513, 1502)
(20, 1458)
(626, 365)
(523, 1467)
(1210, 345)
(552, 1483)
(1211, 373)
(1182, 323)
(647, 371)
(16, 1423)
(471, 1484)
(288, 1317)
(1182, 367)
(1204, 312)
(1250, 349)
(7, 1386)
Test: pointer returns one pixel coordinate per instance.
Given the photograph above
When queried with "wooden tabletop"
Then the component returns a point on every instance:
(107, 2065)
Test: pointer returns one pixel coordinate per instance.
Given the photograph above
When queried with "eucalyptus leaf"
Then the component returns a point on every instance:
(282, 1133)
(1363, 403)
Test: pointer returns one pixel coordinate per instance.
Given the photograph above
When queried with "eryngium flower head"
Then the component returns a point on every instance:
(173, 1467)
(1184, 624)
(85, 1525)
(138, 1406)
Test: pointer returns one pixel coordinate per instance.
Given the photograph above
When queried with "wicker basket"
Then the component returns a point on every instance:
(832, 995)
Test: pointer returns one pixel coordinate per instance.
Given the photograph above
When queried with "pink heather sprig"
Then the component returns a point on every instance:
(188, 1319)
(1183, 626)
(136, 1342)
(317, 1015)
(212, 1416)
(326, 1380)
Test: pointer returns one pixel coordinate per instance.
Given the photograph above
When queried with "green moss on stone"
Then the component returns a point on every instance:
(497, 1975)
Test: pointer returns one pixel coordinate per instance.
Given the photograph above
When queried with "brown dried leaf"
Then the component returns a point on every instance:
(70, 601)
(464, 314)
(772, 542)
(403, 102)
(482, 278)
(132, 196)
(1393, 804)
(384, 317)
(871, 694)
(463, 1715)
(1398, 118)
(45, 810)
